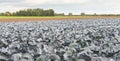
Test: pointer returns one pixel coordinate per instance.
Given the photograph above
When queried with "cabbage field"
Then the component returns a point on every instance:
(65, 40)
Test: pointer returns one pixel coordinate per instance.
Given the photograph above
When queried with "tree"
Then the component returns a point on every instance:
(70, 14)
(7, 13)
(31, 12)
(2, 14)
(82, 13)
(95, 14)
(51, 12)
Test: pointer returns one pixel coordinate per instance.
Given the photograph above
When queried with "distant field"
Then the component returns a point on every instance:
(57, 16)
(38, 18)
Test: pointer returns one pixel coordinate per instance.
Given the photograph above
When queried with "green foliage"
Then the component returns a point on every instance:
(83, 13)
(6, 14)
(30, 12)
(70, 14)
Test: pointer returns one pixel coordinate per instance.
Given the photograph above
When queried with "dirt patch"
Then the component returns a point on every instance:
(33, 19)
(46, 19)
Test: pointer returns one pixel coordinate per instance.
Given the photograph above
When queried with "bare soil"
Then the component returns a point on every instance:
(33, 19)
(45, 19)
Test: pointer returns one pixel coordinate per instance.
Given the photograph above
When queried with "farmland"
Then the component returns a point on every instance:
(84, 39)
(39, 18)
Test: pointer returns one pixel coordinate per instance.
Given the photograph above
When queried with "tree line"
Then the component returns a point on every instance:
(49, 12)
(30, 12)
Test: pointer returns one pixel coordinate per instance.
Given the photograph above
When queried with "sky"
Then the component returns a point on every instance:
(64, 6)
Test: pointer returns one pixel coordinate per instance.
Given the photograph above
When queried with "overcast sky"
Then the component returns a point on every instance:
(66, 6)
